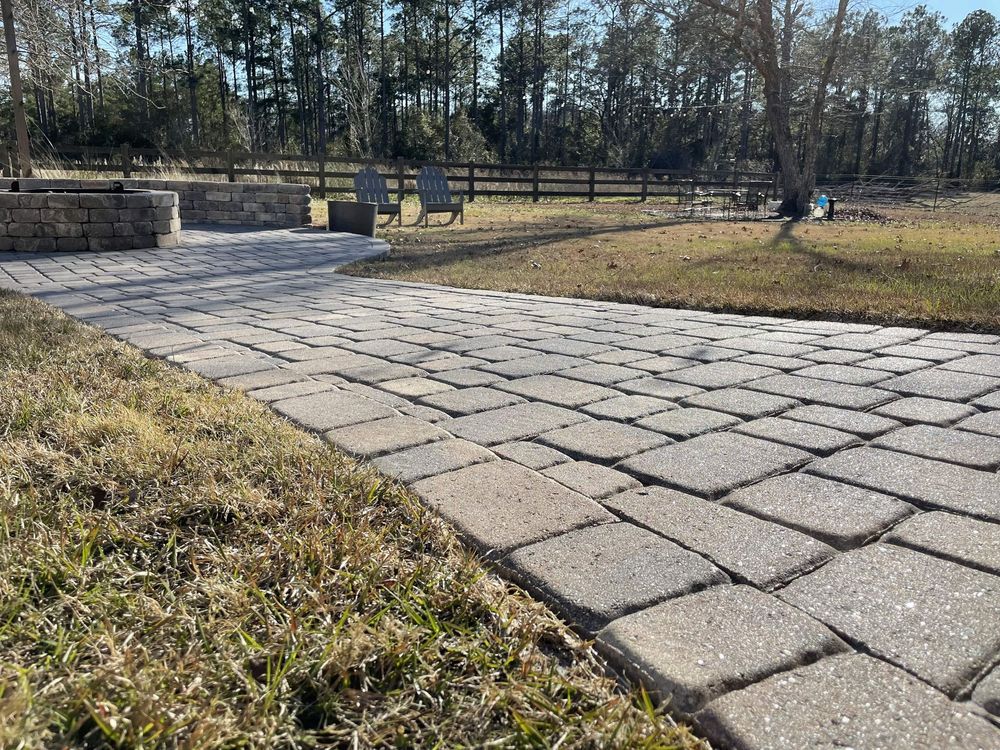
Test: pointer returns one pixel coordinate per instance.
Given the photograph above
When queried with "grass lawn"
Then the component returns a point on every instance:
(180, 568)
(920, 268)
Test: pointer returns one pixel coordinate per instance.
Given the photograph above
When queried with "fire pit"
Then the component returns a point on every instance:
(80, 219)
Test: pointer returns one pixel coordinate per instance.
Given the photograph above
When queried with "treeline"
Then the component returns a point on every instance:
(619, 82)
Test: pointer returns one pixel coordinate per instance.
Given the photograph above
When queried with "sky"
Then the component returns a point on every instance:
(953, 10)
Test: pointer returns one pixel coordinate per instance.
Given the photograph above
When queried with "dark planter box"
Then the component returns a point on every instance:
(352, 217)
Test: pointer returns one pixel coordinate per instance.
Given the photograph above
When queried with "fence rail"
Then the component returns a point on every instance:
(331, 175)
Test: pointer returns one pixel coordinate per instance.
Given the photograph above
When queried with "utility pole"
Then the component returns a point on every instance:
(16, 92)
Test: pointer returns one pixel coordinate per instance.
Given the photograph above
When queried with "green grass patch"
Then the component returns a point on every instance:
(180, 568)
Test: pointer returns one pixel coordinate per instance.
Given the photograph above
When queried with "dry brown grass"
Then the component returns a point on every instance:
(928, 269)
(179, 568)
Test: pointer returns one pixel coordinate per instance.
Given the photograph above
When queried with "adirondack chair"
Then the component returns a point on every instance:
(435, 197)
(370, 187)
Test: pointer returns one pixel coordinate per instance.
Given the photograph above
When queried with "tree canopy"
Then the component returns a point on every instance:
(617, 82)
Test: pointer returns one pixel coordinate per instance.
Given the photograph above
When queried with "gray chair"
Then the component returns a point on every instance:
(370, 187)
(435, 196)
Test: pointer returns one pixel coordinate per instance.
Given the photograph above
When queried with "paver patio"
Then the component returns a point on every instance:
(789, 529)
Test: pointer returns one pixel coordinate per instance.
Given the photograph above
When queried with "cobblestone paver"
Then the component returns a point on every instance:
(788, 528)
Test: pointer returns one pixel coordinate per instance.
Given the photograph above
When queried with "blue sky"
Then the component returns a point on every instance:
(953, 10)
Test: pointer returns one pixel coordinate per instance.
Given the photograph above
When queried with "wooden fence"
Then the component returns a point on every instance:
(330, 175)
(333, 175)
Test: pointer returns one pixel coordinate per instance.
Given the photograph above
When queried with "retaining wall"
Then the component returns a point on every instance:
(202, 202)
(40, 222)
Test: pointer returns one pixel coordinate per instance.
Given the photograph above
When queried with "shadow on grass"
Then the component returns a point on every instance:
(415, 258)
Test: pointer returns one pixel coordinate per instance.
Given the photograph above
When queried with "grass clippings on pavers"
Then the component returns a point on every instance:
(919, 268)
(180, 568)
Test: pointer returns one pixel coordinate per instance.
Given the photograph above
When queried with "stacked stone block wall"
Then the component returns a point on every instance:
(40, 222)
(204, 202)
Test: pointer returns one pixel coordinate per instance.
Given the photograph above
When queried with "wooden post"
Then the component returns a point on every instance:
(534, 184)
(126, 161)
(230, 166)
(937, 189)
(645, 184)
(472, 183)
(400, 178)
(5, 170)
(321, 185)
(591, 186)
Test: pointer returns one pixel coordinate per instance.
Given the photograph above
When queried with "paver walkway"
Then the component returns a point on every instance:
(791, 529)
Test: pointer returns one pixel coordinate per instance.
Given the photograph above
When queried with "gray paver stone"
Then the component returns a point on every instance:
(224, 367)
(688, 422)
(977, 364)
(844, 374)
(290, 390)
(331, 409)
(836, 356)
(557, 390)
(895, 365)
(602, 441)
(703, 645)
(658, 388)
(864, 425)
(370, 439)
(533, 455)
(499, 505)
(943, 384)
(748, 548)
(414, 387)
(890, 600)
(742, 403)
(627, 408)
(920, 480)
(962, 540)
(847, 701)
(984, 424)
(431, 459)
(711, 465)
(592, 480)
(466, 378)
(720, 374)
(603, 374)
(810, 437)
(919, 410)
(823, 392)
(511, 423)
(600, 573)
(470, 400)
(260, 379)
(954, 446)
(540, 364)
(660, 365)
(987, 693)
(989, 401)
(841, 515)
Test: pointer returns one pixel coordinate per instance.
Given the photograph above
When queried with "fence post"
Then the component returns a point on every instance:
(645, 184)
(126, 161)
(401, 178)
(230, 166)
(5, 170)
(591, 185)
(937, 189)
(321, 169)
(534, 184)
(472, 183)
